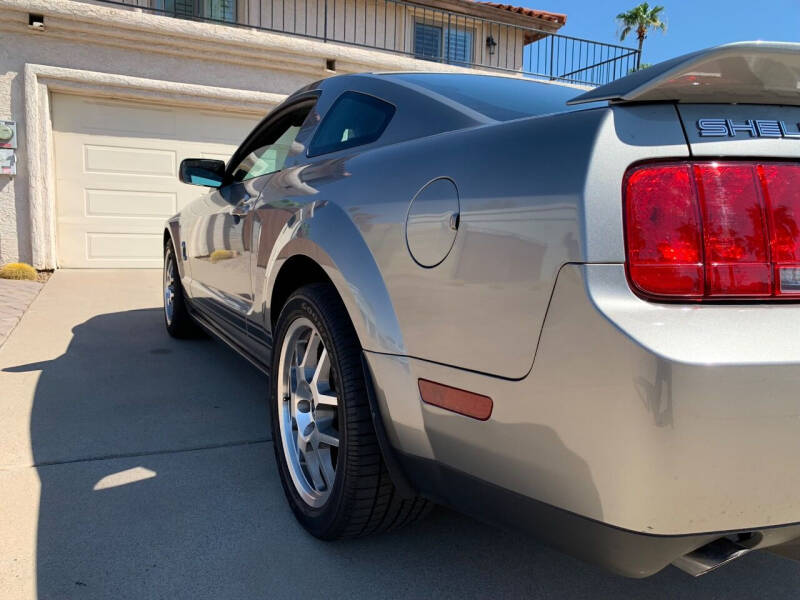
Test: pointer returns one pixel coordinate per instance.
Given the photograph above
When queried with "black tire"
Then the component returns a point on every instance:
(181, 325)
(363, 499)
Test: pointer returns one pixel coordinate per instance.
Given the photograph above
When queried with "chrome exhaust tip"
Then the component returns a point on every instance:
(711, 556)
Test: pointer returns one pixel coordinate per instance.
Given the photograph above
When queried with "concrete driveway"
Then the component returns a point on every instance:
(136, 466)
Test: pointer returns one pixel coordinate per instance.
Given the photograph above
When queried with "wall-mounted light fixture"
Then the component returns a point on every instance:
(491, 45)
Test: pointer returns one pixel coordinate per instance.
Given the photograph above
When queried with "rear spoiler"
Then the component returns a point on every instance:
(744, 73)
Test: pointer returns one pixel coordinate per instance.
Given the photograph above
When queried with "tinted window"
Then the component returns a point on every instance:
(353, 120)
(268, 152)
(501, 98)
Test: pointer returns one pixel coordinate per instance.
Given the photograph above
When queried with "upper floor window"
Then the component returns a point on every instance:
(217, 10)
(445, 43)
(354, 119)
(458, 46)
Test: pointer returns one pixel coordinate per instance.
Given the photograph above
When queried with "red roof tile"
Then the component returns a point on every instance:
(529, 12)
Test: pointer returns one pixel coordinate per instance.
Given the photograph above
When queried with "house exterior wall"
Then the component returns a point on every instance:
(381, 24)
(101, 51)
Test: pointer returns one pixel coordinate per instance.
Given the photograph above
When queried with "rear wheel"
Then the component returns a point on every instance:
(328, 456)
(176, 314)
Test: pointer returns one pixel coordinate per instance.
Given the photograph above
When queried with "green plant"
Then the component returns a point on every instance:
(18, 271)
(641, 19)
(641, 67)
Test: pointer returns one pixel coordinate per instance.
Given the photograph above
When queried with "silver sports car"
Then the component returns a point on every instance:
(572, 312)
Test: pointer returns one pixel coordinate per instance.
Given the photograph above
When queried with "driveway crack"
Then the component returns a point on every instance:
(51, 463)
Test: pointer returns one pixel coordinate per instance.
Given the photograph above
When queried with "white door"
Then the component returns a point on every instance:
(117, 174)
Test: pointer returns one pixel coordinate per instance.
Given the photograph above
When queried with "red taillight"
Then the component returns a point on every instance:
(713, 230)
(780, 185)
(734, 231)
(664, 240)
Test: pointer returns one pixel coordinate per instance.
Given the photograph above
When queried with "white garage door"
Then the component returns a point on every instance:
(117, 174)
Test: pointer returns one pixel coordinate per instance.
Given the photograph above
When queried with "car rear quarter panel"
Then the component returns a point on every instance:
(659, 419)
(606, 428)
(534, 194)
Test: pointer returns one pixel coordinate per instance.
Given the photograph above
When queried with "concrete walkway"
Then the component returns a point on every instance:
(15, 297)
(136, 466)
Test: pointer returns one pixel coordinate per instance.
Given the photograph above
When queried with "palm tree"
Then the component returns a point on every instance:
(641, 19)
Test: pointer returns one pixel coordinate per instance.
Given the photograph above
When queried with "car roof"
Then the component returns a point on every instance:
(500, 97)
(488, 76)
(430, 103)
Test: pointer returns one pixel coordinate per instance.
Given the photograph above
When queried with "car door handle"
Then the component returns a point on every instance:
(241, 209)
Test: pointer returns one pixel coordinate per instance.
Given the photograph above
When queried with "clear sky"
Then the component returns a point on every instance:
(691, 24)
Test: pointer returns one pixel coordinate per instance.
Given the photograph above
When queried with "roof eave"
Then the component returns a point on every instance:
(485, 11)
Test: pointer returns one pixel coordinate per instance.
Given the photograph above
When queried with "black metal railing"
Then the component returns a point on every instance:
(416, 30)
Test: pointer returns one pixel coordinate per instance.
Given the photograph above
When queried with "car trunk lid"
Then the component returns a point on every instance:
(744, 73)
(735, 100)
(742, 130)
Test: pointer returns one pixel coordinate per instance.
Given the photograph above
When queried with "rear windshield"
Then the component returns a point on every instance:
(500, 98)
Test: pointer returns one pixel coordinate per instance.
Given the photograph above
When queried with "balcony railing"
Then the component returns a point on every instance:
(418, 31)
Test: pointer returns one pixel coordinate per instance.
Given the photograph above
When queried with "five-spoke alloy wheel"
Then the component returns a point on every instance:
(326, 448)
(308, 412)
(170, 277)
(176, 314)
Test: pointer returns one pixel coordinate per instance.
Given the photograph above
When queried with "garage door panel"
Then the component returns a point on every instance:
(79, 114)
(124, 246)
(105, 118)
(123, 181)
(130, 161)
(130, 204)
(117, 249)
(103, 198)
(214, 128)
(116, 174)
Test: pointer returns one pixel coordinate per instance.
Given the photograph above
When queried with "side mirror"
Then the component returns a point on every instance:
(202, 171)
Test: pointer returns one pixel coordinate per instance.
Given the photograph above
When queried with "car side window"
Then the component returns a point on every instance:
(354, 119)
(268, 151)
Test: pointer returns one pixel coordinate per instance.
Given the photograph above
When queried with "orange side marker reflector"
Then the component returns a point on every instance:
(459, 401)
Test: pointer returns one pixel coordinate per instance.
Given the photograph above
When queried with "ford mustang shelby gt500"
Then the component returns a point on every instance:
(574, 313)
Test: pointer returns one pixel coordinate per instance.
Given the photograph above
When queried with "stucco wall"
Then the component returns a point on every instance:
(17, 49)
(10, 247)
(159, 50)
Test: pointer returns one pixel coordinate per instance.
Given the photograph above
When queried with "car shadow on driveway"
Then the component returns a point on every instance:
(158, 481)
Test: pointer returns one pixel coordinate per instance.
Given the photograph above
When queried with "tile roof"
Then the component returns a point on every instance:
(529, 12)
